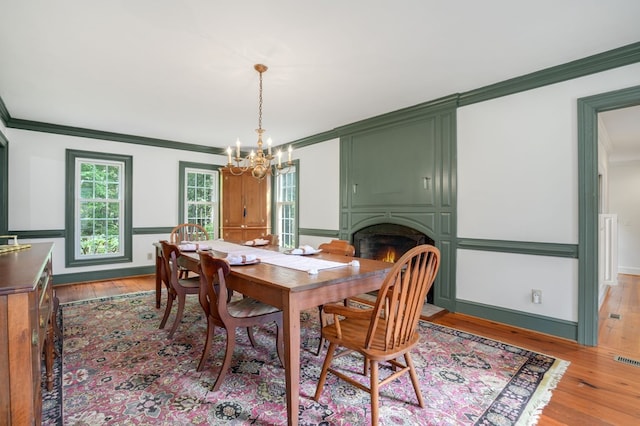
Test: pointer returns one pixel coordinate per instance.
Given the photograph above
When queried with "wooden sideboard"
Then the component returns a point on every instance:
(26, 332)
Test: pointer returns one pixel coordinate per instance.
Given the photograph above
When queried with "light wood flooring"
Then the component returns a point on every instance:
(595, 390)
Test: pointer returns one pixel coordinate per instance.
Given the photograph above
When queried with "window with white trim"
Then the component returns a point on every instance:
(286, 207)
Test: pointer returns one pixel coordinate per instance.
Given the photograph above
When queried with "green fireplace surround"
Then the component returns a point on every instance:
(422, 193)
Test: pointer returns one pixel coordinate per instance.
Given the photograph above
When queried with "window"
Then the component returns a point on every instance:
(199, 196)
(98, 208)
(286, 207)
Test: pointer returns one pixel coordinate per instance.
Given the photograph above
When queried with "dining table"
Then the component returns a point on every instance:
(292, 283)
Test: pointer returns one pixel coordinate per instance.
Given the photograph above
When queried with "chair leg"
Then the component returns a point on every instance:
(176, 322)
(211, 328)
(280, 342)
(374, 393)
(325, 370)
(167, 310)
(183, 274)
(322, 340)
(251, 338)
(414, 379)
(231, 341)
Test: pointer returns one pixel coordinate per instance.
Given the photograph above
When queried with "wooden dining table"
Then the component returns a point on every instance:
(293, 291)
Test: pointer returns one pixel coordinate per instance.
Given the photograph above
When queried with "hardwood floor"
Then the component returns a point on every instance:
(595, 390)
(622, 301)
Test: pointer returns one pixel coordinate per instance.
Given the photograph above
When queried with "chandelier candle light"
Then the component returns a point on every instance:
(258, 162)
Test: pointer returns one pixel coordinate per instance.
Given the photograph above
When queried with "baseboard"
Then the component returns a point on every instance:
(628, 270)
(109, 274)
(554, 326)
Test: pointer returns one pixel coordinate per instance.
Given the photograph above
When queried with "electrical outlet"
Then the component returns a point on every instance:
(149, 256)
(536, 296)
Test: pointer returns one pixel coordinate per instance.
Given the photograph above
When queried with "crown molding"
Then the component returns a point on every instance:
(625, 55)
(4, 113)
(37, 126)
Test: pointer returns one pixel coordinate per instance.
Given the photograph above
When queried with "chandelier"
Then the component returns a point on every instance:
(259, 162)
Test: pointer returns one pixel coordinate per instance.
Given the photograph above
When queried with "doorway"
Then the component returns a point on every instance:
(619, 163)
(588, 110)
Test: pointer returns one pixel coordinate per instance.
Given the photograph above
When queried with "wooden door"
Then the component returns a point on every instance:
(255, 201)
(233, 201)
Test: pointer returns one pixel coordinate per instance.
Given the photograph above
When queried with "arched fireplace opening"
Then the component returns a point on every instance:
(388, 242)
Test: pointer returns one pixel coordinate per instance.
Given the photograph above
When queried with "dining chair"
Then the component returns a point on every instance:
(177, 288)
(245, 312)
(341, 247)
(187, 232)
(273, 239)
(387, 331)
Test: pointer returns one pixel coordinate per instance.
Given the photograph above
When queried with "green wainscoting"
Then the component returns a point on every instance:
(402, 170)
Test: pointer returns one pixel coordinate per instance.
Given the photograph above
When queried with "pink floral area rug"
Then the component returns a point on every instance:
(119, 368)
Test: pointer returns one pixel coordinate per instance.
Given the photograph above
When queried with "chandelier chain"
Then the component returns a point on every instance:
(260, 104)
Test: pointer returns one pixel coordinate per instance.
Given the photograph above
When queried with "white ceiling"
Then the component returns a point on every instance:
(183, 70)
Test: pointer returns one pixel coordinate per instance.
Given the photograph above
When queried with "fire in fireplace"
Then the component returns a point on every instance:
(388, 242)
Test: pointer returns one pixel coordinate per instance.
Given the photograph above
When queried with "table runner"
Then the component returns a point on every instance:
(300, 263)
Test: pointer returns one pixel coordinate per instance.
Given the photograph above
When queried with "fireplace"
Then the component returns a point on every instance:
(388, 242)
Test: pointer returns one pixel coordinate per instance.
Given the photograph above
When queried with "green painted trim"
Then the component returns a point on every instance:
(4, 113)
(70, 173)
(400, 116)
(625, 55)
(109, 274)
(314, 232)
(4, 184)
(152, 230)
(37, 234)
(61, 233)
(542, 324)
(37, 126)
(182, 166)
(520, 247)
(588, 109)
(3, 140)
(311, 140)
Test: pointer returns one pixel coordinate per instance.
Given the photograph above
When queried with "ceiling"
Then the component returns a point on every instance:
(183, 70)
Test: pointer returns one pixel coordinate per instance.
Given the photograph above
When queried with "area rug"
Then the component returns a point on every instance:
(119, 368)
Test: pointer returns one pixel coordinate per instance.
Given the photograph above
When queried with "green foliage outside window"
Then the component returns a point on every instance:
(100, 208)
(200, 202)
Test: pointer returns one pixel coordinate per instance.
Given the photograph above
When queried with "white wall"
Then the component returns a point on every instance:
(319, 188)
(624, 199)
(518, 180)
(37, 187)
